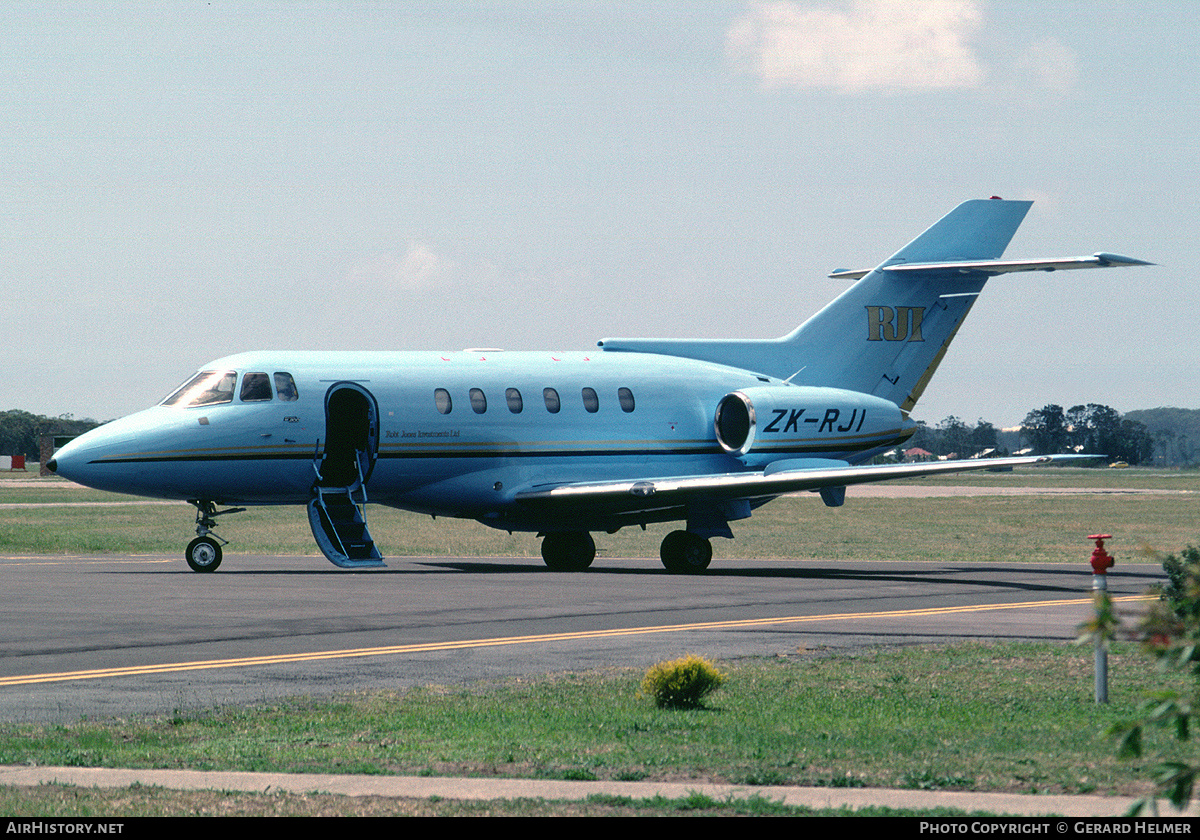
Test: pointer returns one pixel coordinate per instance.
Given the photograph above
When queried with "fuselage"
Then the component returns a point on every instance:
(460, 433)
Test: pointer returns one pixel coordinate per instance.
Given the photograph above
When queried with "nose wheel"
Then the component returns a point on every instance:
(204, 553)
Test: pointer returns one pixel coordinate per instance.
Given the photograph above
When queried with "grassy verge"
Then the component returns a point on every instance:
(142, 801)
(908, 718)
(1043, 528)
(1133, 478)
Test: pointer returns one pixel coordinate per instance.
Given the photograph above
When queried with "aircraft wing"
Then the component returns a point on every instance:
(993, 267)
(651, 493)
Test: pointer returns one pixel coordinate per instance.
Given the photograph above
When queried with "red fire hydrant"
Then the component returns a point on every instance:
(1102, 561)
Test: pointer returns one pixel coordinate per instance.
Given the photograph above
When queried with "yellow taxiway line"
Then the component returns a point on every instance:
(427, 647)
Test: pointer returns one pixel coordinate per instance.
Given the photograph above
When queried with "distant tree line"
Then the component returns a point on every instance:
(953, 438)
(20, 431)
(1088, 428)
(1051, 430)
(1176, 433)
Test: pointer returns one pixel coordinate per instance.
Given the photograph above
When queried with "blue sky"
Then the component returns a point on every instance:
(185, 180)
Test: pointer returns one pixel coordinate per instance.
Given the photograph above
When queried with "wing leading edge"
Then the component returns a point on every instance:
(650, 493)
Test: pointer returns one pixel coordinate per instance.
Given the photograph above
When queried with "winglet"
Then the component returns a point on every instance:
(1117, 259)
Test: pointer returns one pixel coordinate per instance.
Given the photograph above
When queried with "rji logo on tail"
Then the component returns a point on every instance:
(900, 324)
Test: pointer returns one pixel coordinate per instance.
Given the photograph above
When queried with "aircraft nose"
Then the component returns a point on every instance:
(64, 462)
(109, 457)
(75, 460)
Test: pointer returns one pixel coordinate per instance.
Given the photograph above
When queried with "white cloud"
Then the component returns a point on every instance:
(419, 269)
(860, 44)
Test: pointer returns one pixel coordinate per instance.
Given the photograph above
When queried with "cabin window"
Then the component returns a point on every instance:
(256, 387)
(552, 402)
(209, 387)
(441, 398)
(515, 403)
(285, 387)
(590, 401)
(478, 401)
(625, 397)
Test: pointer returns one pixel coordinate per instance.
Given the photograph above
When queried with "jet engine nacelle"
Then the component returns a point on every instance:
(771, 416)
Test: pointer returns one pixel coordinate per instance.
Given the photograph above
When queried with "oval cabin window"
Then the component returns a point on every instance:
(625, 397)
(441, 398)
(515, 403)
(478, 401)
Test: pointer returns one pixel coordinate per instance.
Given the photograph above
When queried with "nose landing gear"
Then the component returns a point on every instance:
(203, 554)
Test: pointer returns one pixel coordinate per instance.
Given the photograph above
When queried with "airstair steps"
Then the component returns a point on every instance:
(340, 529)
(337, 514)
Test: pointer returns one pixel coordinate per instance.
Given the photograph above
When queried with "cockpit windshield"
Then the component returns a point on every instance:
(209, 387)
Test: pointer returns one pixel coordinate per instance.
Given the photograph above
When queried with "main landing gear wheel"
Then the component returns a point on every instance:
(568, 551)
(685, 553)
(203, 554)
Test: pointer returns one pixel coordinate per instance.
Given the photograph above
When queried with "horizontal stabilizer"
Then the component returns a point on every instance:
(990, 268)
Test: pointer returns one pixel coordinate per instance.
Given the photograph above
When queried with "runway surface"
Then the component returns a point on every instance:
(110, 636)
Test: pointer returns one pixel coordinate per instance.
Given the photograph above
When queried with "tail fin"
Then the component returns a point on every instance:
(974, 230)
(887, 333)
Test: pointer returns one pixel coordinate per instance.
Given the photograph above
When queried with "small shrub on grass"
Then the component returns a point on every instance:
(683, 683)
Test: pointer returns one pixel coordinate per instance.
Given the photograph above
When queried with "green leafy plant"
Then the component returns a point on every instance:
(1170, 634)
(682, 683)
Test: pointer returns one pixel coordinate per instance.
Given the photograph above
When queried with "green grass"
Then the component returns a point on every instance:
(147, 801)
(1138, 478)
(988, 528)
(1042, 528)
(909, 718)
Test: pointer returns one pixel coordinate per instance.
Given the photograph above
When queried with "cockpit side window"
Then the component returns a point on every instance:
(209, 387)
(285, 386)
(256, 387)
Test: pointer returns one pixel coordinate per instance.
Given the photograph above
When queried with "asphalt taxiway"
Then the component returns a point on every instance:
(108, 636)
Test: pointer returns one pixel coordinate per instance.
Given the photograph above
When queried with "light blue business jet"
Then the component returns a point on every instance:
(564, 444)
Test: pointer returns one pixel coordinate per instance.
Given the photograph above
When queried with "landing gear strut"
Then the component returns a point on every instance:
(568, 551)
(204, 553)
(685, 553)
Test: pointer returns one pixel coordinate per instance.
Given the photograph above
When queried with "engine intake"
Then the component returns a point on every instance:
(735, 423)
(801, 419)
